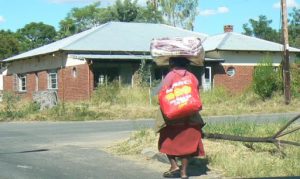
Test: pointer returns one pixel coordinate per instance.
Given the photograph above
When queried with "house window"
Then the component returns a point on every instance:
(22, 82)
(230, 71)
(36, 81)
(52, 79)
(74, 72)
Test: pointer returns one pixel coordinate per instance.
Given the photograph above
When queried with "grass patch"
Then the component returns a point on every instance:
(114, 102)
(234, 159)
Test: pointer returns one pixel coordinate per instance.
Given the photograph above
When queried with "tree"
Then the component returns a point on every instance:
(261, 29)
(36, 34)
(9, 44)
(126, 10)
(180, 13)
(294, 28)
(80, 19)
(150, 14)
(67, 28)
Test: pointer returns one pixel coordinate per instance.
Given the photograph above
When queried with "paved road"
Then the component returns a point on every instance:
(71, 150)
(67, 150)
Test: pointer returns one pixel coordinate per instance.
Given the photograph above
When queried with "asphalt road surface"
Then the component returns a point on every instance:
(67, 150)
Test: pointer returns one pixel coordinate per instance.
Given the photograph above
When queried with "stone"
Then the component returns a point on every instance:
(161, 157)
(149, 153)
(46, 99)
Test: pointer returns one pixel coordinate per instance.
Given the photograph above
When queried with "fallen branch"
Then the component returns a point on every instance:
(271, 139)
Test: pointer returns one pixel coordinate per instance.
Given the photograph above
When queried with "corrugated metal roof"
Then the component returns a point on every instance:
(240, 42)
(136, 37)
(112, 36)
(53, 47)
(122, 57)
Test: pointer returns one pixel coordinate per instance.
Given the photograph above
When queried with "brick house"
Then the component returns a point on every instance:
(74, 66)
(239, 54)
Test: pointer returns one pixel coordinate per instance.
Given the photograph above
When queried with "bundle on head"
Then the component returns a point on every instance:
(190, 48)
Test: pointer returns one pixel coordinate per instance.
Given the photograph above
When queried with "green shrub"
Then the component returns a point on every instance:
(265, 79)
(295, 79)
(106, 93)
(10, 109)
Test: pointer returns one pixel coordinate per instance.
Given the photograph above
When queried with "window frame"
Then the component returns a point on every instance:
(231, 71)
(50, 80)
(22, 87)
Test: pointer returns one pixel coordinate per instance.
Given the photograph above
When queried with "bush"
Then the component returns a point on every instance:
(106, 93)
(265, 79)
(10, 109)
(295, 79)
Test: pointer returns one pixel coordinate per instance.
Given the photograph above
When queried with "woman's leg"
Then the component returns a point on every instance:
(173, 162)
(184, 164)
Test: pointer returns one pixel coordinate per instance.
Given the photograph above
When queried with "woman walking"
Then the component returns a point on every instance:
(180, 138)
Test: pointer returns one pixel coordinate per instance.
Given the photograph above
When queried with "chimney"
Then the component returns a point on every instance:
(228, 28)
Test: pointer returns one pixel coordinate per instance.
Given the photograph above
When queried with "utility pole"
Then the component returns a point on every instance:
(286, 64)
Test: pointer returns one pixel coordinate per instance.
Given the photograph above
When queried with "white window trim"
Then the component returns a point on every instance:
(51, 72)
(20, 85)
(36, 81)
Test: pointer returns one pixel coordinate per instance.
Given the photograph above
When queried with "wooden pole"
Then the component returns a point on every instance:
(286, 65)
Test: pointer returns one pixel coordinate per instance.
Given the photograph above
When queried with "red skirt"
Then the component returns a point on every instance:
(181, 140)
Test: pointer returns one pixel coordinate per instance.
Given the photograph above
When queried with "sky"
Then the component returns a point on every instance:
(213, 14)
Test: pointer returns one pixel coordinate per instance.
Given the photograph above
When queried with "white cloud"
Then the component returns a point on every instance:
(223, 10)
(289, 4)
(209, 12)
(2, 19)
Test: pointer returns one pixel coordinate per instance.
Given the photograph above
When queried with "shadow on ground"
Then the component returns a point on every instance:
(198, 167)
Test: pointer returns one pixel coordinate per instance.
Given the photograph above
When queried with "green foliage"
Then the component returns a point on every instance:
(295, 80)
(10, 101)
(180, 12)
(80, 19)
(9, 44)
(294, 28)
(265, 79)
(143, 74)
(126, 10)
(149, 14)
(31, 108)
(37, 34)
(261, 29)
(82, 112)
(106, 93)
(67, 28)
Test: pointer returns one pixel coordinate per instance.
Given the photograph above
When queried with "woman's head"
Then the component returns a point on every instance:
(178, 62)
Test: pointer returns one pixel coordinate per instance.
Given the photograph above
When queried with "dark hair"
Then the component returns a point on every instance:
(178, 61)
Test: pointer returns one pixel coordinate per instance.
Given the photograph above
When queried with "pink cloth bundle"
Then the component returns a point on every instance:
(189, 47)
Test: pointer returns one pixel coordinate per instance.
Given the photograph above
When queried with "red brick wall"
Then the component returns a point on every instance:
(8, 82)
(30, 85)
(43, 80)
(237, 83)
(70, 88)
(73, 88)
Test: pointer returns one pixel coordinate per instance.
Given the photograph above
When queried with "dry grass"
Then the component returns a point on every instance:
(134, 103)
(233, 159)
(218, 102)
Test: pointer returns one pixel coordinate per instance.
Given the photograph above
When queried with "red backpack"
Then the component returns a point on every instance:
(181, 98)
